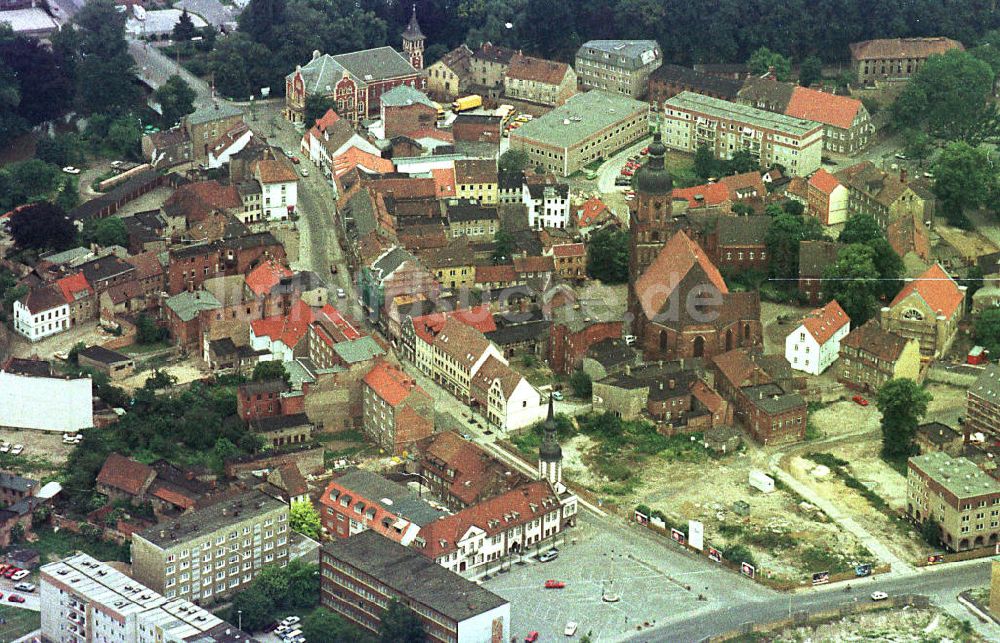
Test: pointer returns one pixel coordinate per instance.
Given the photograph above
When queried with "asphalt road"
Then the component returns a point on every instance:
(942, 585)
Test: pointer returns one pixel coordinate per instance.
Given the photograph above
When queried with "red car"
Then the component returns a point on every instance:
(295, 160)
(644, 151)
(14, 598)
(10, 571)
(860, 401)
(554, 584)
(531, 637)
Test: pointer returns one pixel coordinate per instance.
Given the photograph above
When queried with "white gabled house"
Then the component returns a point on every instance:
(42, 312)
(505, 397)
(815, 344)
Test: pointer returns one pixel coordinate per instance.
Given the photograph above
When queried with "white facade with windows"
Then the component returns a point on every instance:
(41, 323)
(279, 199)
(805, 353)
(548, 205)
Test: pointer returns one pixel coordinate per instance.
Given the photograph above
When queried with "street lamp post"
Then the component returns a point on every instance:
(239, 617)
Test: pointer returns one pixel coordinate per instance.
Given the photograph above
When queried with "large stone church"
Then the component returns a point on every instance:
(679, 302)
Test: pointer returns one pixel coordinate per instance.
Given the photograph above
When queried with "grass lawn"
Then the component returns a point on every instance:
(59, 544)
(18, 622)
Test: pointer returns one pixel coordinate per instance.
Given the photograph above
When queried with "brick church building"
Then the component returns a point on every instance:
(357, 80)
(679, 302)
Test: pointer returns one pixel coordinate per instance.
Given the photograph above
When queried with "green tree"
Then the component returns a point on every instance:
(930, 529)
(124, 137)
(261, 18)
(176, 99)
(104, 79)
(304, 519)
(240, 66)
(607, 256)
(325, 625)
(916, 144)
(272, 370)
(742, 161)
(253, 610)
(889, 266)
(947, 98)
(42, 226)
(503, 248)
(810, 71)
(987, 330)
(854, 282)
(859, 228)
(514, 162)
(147, 331)
(784, 234)
(762, 60)
(963, 178)
(401, 625)
(60, 150)
(223, 450)
(581, 384)
(110, 231)
(11, 123)
(26, 181)
(793, 207)
(317, 106)
(745, 209)
(184, 30)
(706, 165)
(902, 403)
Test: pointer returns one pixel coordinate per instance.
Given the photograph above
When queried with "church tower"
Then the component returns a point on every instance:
(651, 211)
(413, 42)
(550, 453)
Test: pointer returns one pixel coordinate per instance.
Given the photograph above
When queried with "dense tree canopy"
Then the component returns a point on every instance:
(854, 282)
(764, 60)
(176, 99)
(105, 82)
(902, 404)
(607, 256)
(963, 178)
(42, 226)
(45, 88)
(784, 234)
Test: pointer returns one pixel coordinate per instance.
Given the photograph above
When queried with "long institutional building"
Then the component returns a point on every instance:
(213, 552)
(83, 600)
(589, 126)
(691, 120)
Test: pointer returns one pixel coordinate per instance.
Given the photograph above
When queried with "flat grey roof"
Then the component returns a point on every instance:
(391, 496)
(413, 575)
(211, 519)
(723, 109)
(959, 476)
(580, 117)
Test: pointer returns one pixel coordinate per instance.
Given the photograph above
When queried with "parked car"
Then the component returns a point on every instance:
(644, 151)
(69, 169)
(571, 627)
(286, 153)
(290, 620)
(901, 156)
(16, 449)
(860, 401)
(5, 447)
(879, 596)
(610, 597)
(554, 584)
(532, 637)
(25, 587)
(341, 294)
(557, 396)
(551, 554)
(18, 575)
(10, 571)
(305, 171)
(295, 160)
(14, 598)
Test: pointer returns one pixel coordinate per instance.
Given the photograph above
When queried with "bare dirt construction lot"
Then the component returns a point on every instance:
(44, 452)
(884, 625)
(775, 331)
(185, 371)
(788, 538)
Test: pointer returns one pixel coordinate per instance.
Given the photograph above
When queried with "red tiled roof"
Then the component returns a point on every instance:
(823, 323)
(432, 132)
(569, 250)
(712, 400)
(738, 368)
(496, 274)
(592, 211)
(710, 193)
(465, 344)
(479, 317)
(798, 186)
(936, 288)
(390, 383)
(533, 264)
(871, 339)
(124, 474)
(202, 198)
(173, 497)
(737, 183)
(340, 322)
(266, 276)
(677, 258)
(494, 515)
(823, 107)
(74, 285)
(147, 264)
(289, 329)
(354, 156)
(444, 182)
(326, 120)
(824, 181)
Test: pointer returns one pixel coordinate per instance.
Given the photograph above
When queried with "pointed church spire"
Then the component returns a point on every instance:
(550, 451)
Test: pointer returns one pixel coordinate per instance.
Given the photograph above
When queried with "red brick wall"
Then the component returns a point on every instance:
(406, 119)
(191, 270)
(566, 349)
(269, 405)
(477, 132)
(729, 257)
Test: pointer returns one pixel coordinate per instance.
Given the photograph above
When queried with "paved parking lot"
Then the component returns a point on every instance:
(649, 578)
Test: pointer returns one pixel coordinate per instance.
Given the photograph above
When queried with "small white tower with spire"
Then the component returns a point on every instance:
(413, 41)
(550, 453)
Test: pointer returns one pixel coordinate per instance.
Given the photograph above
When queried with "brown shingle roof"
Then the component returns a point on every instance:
(475, 171)
(533, 264)
(823, 322)
(677, 258)
(902, 47)
(870, 338)
(463, 343)
(816, 256)
(124, 474)
(276, 171)
(538, 70)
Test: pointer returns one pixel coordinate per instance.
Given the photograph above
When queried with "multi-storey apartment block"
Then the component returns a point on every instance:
(83, 599)
(210, 553)
(692, 121)
(621, 66)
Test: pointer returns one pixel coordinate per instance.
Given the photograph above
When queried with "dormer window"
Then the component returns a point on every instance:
(913, 314)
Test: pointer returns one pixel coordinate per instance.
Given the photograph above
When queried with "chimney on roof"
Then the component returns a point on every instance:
(315, 54)
(673, 383)
(628, 369)
(902, 175)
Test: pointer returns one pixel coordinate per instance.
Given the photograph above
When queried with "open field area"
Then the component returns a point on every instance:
(18, 622)
(884, 625)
